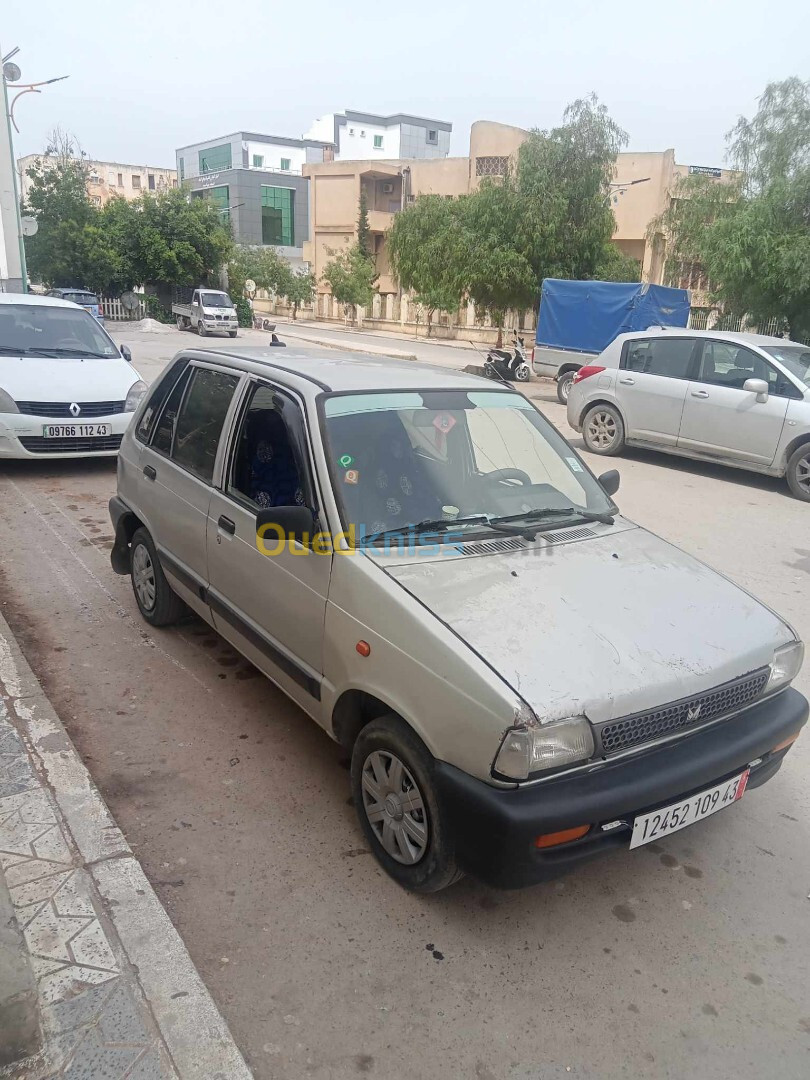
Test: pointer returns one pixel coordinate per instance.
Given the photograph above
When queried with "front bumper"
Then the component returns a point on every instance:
(495, 828)
(21, 437)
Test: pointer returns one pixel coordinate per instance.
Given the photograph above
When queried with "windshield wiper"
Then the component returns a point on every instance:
(444, 525)
(57, 351)
(557, 511)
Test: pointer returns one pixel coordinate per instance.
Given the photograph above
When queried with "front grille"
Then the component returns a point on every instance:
(39, 445)
(62, 408)
(617, 735)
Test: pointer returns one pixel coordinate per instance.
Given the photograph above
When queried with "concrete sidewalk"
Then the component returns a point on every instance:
(94, 979)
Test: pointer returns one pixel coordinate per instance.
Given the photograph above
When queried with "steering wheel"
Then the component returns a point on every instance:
(510, 474)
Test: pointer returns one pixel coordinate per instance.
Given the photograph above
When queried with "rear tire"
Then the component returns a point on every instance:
(564, 384)
(603, 430)
(797, 473)
(156, 600)
(181, 322)
(397, 802)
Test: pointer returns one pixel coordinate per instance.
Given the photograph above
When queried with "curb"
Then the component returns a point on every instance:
(369, 350)
(195, 1034)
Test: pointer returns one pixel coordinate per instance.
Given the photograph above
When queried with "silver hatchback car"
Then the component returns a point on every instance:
(736, 399)
(523, 677)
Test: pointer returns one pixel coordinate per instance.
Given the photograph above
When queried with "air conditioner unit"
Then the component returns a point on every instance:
(388, 189)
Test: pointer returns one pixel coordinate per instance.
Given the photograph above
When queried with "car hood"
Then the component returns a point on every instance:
(36, 378)
(603, 627)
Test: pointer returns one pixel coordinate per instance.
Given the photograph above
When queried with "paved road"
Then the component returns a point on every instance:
(689, 958)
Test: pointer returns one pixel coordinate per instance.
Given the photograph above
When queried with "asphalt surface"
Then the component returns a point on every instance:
(690, 957)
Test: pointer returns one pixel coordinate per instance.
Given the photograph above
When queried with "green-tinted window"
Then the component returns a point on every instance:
(219, 196)
(278, 210)
(378, 142)
(258, 161)
(182, 169)
(285, 164)
(215, 158)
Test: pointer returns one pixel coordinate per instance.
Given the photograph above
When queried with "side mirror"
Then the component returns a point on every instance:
(278, 524)
(609, 481)
(758, 387)
(126, 352)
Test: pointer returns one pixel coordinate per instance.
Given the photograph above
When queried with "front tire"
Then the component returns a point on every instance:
(201, 330)
(564, 384)
(798, 472)
(232, 333)
(397, 802)
(522, 373)
(156, 600)
(603, 430)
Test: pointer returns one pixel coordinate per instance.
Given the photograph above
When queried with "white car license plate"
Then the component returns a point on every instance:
(74, 431)
(670, 819)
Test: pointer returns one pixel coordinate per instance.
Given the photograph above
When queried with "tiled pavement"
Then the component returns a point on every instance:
(94, 1020)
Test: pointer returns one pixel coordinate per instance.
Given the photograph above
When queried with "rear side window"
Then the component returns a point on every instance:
(668, 357)
(159, 395)
(164, 433)
(201, 419)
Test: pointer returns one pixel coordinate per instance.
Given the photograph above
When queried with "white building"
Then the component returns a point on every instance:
(359, 136)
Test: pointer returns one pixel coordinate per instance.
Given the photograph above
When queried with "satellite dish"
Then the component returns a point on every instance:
(11, 73)
(130, 301)
(29, 226)
(250, 286)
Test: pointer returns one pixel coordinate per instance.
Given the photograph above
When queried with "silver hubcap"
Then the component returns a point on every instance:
(601, 429)
(143, 577)
(394, 807)
(803, 473)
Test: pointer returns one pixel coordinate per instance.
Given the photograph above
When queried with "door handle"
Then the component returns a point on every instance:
(700, 393)
(226, 525)
(627, 382)
(149, 472)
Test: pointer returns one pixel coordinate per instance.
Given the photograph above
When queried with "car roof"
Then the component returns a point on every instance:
(716, 335)
(37, 301)
(335, 370)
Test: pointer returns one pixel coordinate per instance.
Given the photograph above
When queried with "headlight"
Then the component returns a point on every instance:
(7, 403)
(136, 392)
(785, 665)
(527, 750)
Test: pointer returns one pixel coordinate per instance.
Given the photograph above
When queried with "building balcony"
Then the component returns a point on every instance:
(381, 220)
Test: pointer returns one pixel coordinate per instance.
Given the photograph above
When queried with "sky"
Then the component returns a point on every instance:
(147, 77)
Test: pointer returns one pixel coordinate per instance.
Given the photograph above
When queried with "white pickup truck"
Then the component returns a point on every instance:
(210, 311)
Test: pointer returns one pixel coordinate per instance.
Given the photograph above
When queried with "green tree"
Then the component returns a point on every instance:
(363, 228)
(752, 234)
(298, 289)
(615, 265)
(263, 265)
(350, 274)
(418, 243)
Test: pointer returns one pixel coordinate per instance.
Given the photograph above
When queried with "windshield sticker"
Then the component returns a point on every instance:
(346, 460)
(444, 422)
(574, 464)
(352, 476)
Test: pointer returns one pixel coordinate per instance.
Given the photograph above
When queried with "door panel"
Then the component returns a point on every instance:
(651, 387)
(722, 419)
(272, 607)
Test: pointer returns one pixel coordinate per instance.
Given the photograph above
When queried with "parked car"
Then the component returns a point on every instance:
(83, 297)
(736, 399)
(66, 390)
(210, 311)
(523, 677)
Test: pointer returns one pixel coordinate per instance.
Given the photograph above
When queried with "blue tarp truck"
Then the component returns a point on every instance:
(578, 319)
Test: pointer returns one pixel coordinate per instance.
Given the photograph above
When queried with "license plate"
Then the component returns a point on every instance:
(74, 431)
(670, 819)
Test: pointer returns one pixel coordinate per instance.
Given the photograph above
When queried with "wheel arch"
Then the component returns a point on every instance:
(602, 401)
(791, 449)
(126, 525)
(356, 708)
(565, 368)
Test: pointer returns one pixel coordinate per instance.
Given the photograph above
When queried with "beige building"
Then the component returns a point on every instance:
(107, 179)
(642, 190)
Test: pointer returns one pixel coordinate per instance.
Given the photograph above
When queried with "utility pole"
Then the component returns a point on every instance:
(12, 252)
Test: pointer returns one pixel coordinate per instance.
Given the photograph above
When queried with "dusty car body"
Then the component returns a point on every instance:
(519, 690)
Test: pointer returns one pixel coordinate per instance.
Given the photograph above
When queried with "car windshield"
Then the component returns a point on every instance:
(216, 299)
(796, 358)
(453, 460)
(80, 297)
(42, 330)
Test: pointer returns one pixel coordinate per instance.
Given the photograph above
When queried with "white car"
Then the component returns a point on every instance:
(66, 390)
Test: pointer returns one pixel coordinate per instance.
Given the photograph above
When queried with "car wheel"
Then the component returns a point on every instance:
(201, 329)
(798, 472)
(232, 333)
(564, 384)
(395, 795)
(156, 600)
(603, 430)
(181, 322)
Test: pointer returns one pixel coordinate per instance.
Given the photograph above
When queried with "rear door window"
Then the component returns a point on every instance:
(200, 421)
(670, 357)
(159, 395)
